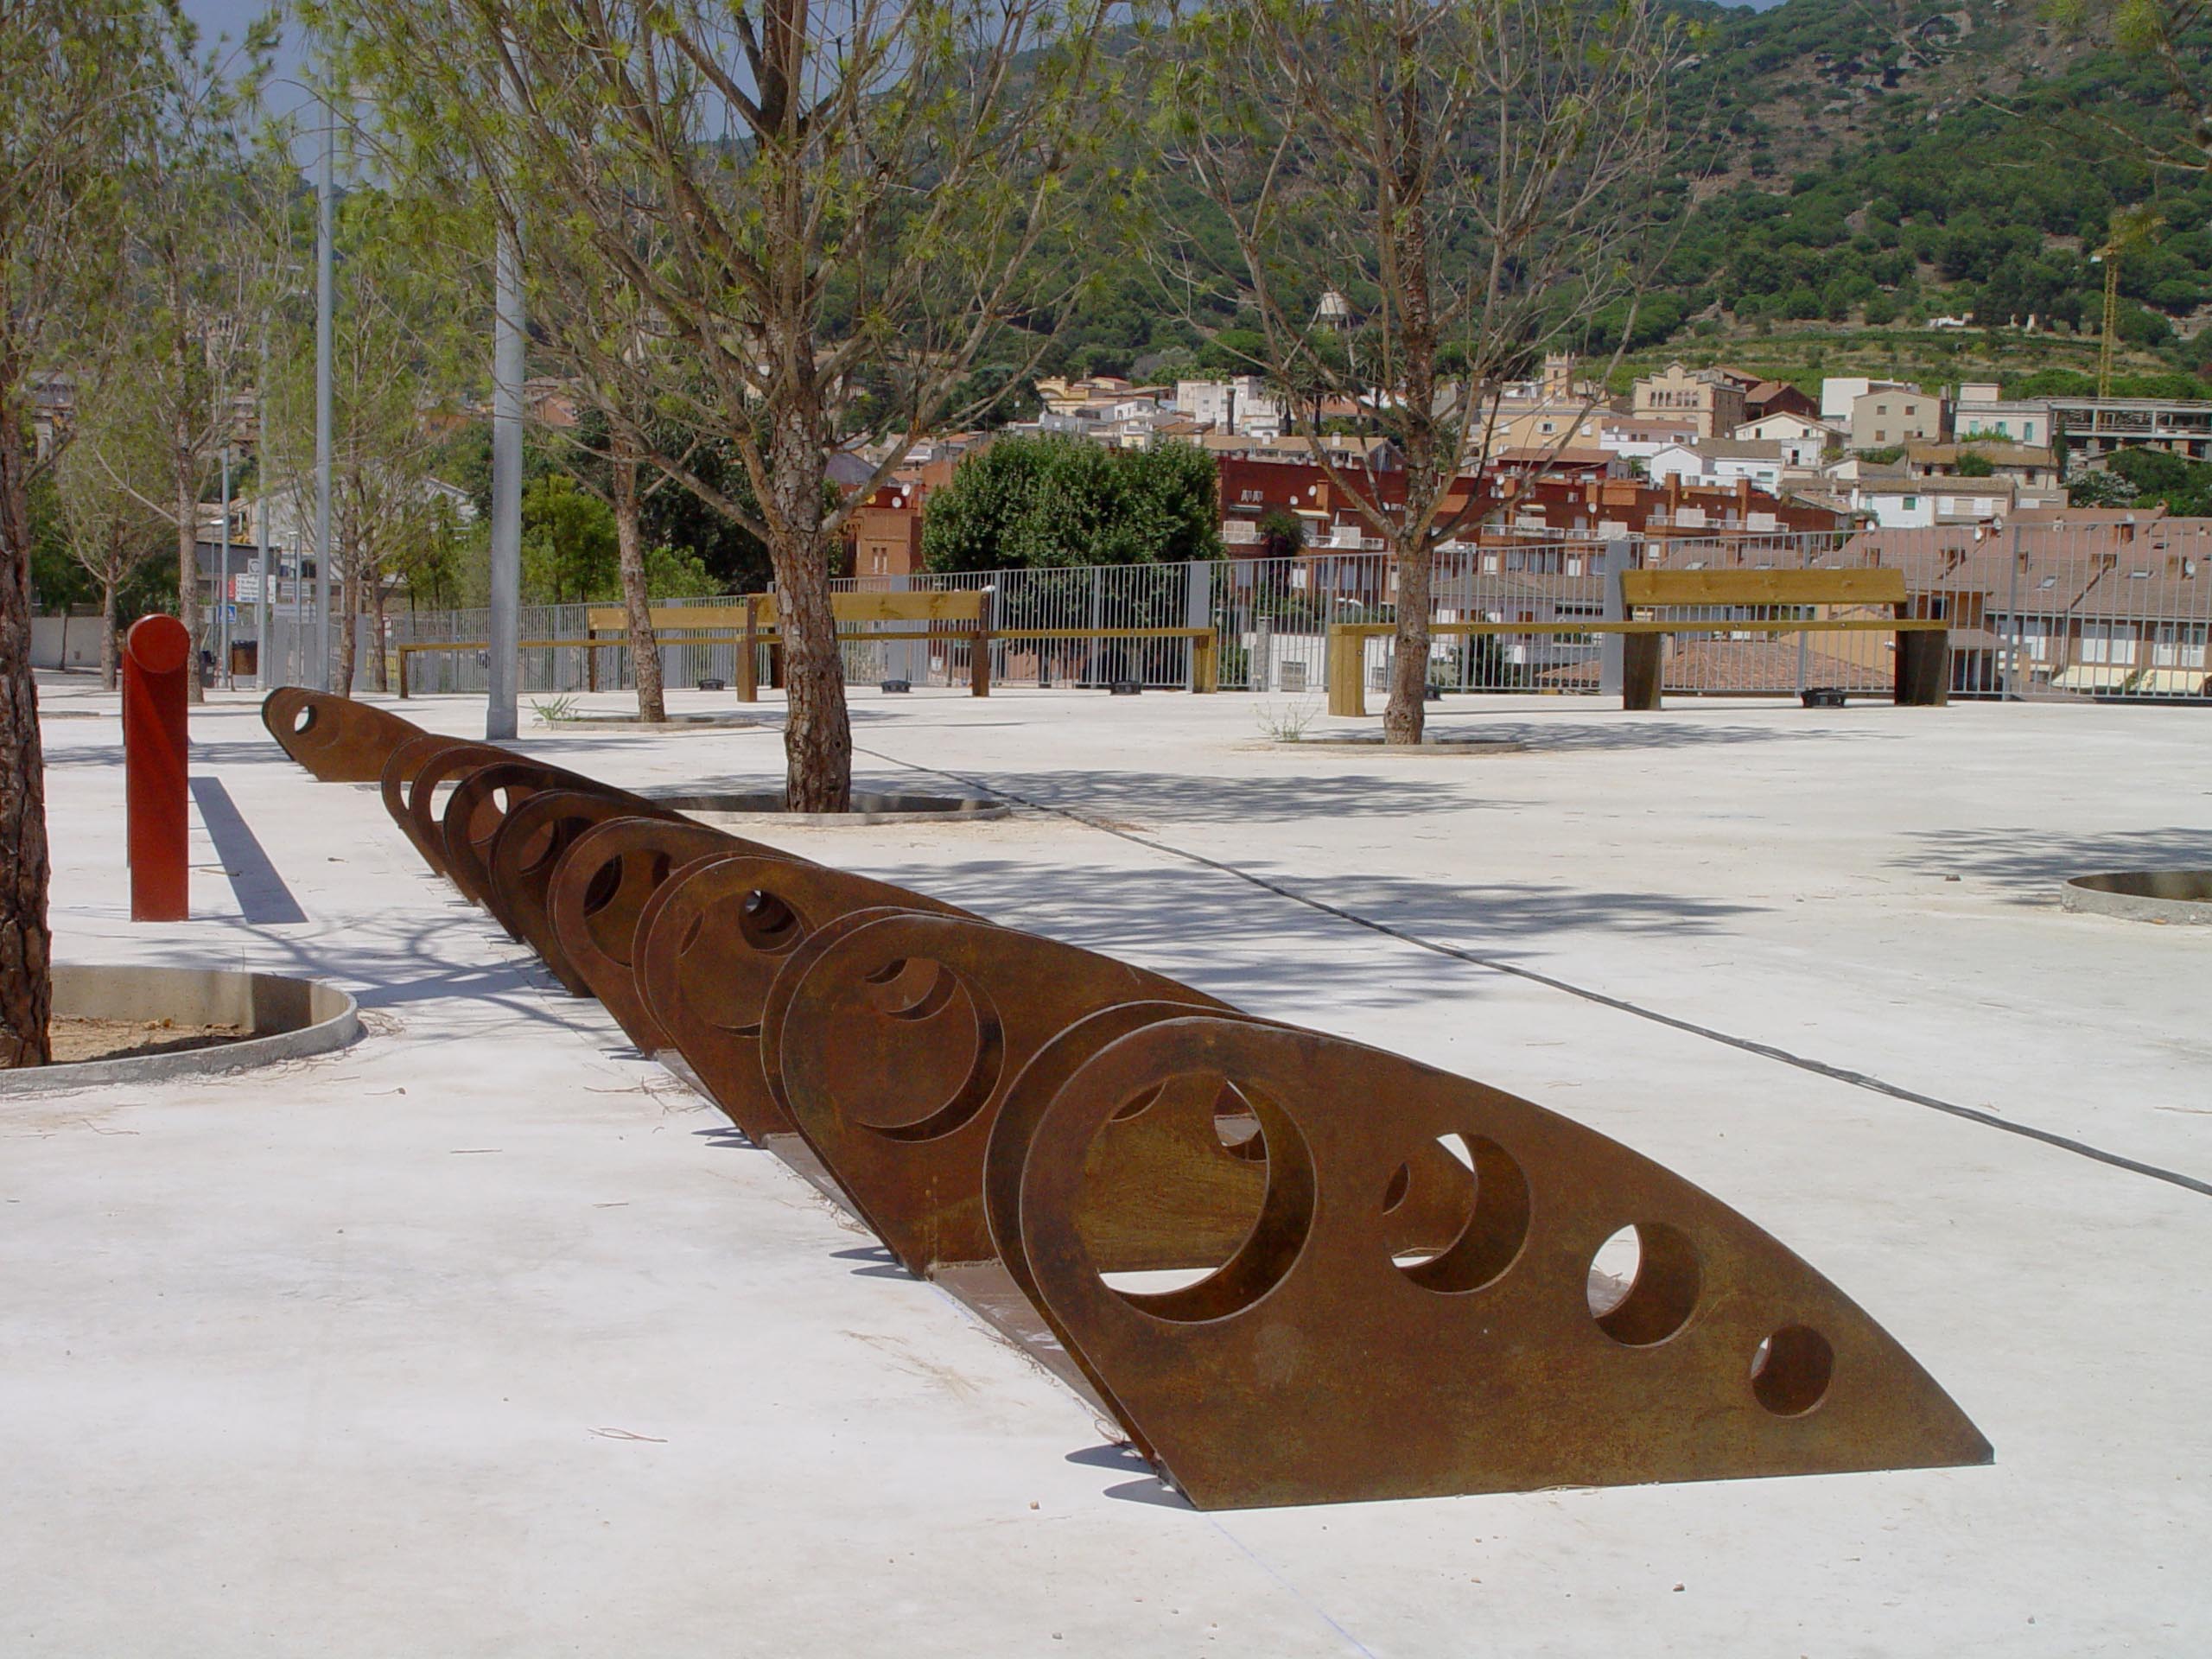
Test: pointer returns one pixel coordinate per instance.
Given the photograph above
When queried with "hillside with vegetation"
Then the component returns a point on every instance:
(1854, 170)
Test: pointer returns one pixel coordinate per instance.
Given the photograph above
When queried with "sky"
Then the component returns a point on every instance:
(232, 17)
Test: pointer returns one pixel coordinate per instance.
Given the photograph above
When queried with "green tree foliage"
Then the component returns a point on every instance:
(568, 542)
(2153, 477)
(1054, 501)
(1886, 215)
(1283, 533)
(569, 557)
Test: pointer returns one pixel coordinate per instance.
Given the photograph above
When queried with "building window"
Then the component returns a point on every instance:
(2107, 642)
(2178, 645)
(1912, 503)
(2027, 431)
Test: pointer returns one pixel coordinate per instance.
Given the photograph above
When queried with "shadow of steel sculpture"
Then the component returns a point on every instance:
(1293, 1269)
(340, 741)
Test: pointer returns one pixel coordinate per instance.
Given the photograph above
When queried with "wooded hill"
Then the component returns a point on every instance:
(1868, 165)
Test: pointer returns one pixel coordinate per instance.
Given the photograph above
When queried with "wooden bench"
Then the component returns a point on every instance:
(751, 623)
(1922, 674)
(748, 623)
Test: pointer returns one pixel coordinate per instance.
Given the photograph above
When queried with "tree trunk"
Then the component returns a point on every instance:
(1429, 468)
(187, 560)
(349, 607)
(636, 597)
(1403, 720)
(817, 733)
(26, 945)
(110, 643)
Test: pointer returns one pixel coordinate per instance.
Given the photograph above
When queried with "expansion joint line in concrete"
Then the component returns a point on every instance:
(1621, 1005)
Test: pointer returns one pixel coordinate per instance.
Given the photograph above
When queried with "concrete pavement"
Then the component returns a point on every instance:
(483, 1337)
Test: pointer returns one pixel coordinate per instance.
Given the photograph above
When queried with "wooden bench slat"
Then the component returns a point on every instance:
(1867, 586)
(961, 605)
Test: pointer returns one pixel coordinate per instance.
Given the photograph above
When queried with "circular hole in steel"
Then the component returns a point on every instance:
(1401, 1182)
(1237, 1126)
(768, 925)
(303, 721)
(606, 881)
(1461, 1214)
(543, 843)
(1166, 1231)
(950, 1048)
(1644, 1284)
(1791, 1370)
(1134, 1104)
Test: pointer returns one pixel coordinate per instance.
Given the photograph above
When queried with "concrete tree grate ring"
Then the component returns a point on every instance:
(869, 806)
(289, 1019)
(2183, 896)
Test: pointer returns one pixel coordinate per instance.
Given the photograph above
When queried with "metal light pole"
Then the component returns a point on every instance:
(261, 520)
(223, 580)
(507, 369)
(323, 285)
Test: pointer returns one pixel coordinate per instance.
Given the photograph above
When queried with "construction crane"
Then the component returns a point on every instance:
(2130, 229)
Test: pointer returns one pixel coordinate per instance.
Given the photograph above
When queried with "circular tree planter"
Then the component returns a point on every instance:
(868, 807)
(2144, 895)
(282, 1017)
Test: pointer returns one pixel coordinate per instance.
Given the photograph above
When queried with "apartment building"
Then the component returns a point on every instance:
(1721, 461)
(1712, 399)
(1888, 416)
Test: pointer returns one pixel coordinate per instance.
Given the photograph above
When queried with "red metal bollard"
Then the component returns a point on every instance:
(156, 656)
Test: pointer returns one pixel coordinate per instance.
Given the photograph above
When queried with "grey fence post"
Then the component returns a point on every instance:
(1097, 621)
(1612, 648)
(1198, 611)
(2011, 692)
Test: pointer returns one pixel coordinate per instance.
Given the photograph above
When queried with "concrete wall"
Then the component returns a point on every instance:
(82, 642)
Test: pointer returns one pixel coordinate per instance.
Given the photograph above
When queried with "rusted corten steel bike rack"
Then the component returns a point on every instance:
(340, 741)
(600, 887)
(713, 944)
(1294, 1269)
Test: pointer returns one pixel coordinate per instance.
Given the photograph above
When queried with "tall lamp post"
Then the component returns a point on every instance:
(324, 283)
(260, 519)
(504, 669)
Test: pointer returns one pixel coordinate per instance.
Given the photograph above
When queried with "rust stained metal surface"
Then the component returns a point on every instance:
(1294, 1268)
(436, 752)
(895, 1042)
(425, 813)
(478, 807)
(1315, 1364)
(601, 888)
(717, 945)
(526, 853)
(340, 741)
